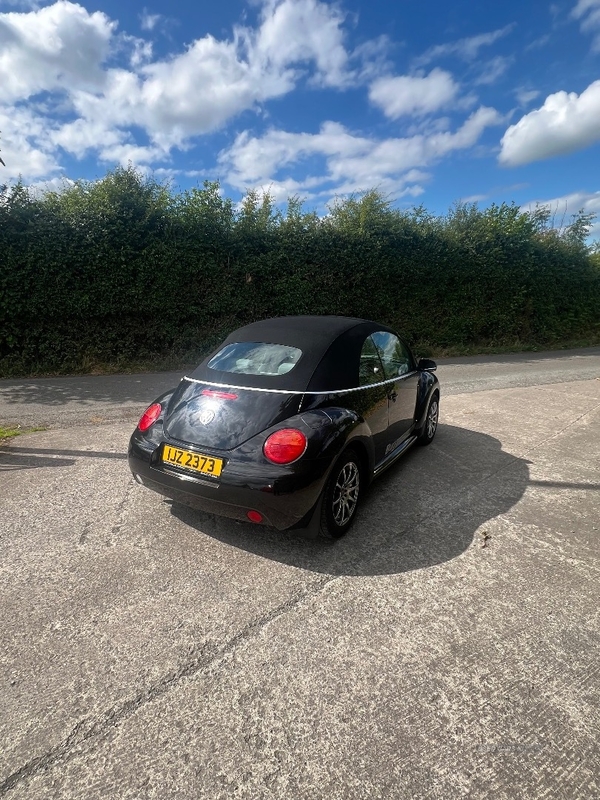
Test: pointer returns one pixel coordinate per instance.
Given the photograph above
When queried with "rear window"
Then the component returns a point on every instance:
(256, 358)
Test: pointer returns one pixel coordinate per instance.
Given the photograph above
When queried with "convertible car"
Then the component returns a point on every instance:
(287, 422)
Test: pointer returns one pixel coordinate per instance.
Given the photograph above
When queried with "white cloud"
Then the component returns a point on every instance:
(413, 94)
(588, 11)
(93, 105)
(27, 149)
(58, 184)
(584, 7)
(565, 123)
(149, 21)
(59, 47)
(140, 50)
(195, 92)
(103, 87)
(300, 31)
(371, 58)
(473, 198)
(526, 96)
(466, 49)
(563, 208)
(64, 50)
(351, 163)
(111, 144)
(20, 3)
(491, 70)
(539, 43)
(253, 160)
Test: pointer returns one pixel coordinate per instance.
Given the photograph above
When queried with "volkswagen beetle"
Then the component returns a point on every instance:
(287, 422)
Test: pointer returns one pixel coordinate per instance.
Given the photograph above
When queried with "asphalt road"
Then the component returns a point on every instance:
(446, 648)
(95, 399)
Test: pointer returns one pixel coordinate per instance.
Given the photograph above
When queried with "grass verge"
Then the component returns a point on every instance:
(10, 433)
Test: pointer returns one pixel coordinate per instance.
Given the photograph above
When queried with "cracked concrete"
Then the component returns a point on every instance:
(87, 729)
(147, 651)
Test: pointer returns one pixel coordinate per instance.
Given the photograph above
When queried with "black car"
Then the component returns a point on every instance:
(288, 421)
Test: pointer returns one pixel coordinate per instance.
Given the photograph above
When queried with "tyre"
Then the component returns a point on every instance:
(341, 496)
(431, 421)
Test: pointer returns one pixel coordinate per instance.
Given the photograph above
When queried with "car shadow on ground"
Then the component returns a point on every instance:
(10, 462)
(423, 511)
(13, 457)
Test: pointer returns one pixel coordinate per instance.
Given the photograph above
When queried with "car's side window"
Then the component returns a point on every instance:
(370, 369)
(395, 356)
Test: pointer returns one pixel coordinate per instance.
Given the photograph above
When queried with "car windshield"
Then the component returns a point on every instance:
(256, 358)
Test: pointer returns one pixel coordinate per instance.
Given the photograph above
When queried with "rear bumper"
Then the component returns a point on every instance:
(284, 500)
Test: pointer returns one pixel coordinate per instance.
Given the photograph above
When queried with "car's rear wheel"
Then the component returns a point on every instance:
(431, 420)
(341, 496)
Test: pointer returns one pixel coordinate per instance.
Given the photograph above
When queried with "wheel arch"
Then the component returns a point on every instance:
(428, 386)
(365, 456)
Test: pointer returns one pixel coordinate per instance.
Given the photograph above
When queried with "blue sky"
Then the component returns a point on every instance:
(430, 102)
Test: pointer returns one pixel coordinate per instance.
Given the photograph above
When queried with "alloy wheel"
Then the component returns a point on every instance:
(345, 493)
(432, 418)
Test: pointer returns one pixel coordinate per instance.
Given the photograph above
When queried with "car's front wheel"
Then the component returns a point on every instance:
(341, 496)
(431, 420)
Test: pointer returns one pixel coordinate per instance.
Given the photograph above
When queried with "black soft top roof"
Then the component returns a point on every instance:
(330, 348)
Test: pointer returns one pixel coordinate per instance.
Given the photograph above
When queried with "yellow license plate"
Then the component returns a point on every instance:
(207, 465)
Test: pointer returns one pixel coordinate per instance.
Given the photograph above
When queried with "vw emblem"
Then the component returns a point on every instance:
(206, 416)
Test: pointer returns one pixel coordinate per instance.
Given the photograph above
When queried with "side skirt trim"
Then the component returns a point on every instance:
(394, 455)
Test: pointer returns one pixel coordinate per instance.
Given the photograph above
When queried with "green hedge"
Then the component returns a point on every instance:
(122, 269)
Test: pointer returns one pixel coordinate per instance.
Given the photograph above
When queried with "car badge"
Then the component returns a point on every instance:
(206, 416)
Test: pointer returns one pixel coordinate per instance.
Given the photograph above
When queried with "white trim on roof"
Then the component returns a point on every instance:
(299, 391)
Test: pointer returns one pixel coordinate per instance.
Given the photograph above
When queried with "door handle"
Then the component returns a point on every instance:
(393, 395)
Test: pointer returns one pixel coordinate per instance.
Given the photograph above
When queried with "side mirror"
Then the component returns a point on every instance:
(426, 365)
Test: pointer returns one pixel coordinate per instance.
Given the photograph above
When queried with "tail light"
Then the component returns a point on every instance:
(285, 446)
(149, 417)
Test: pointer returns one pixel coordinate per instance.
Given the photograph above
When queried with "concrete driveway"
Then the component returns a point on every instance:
(448, 647)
